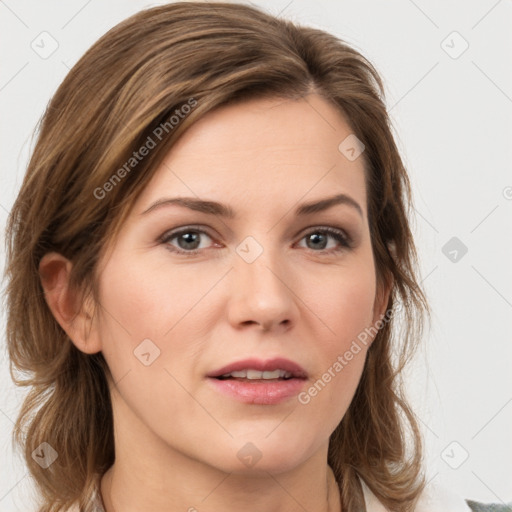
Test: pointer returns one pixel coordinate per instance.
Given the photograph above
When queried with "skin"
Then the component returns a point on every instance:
(176, 438)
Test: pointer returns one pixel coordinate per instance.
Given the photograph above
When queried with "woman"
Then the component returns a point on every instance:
(205, 262)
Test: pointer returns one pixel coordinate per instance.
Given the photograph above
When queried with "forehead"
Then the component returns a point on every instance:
(261, 151)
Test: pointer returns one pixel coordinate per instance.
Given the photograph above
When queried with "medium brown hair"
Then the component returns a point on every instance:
(126, 85)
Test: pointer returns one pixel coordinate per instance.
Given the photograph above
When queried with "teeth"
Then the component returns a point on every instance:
(258, 375)
(242, 374)
(272, 375)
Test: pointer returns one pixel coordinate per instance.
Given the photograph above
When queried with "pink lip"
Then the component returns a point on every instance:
(259, 391)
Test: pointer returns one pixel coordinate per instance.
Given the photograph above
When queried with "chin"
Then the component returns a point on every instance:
(258, 457)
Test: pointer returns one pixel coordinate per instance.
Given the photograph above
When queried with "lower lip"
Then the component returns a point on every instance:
(257, 391)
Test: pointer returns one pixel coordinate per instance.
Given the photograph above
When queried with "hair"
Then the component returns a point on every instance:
(75, 196)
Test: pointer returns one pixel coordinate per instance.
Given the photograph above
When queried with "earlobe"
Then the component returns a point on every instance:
(75, 318)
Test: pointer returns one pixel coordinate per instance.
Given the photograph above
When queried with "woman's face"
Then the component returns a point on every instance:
(188, 291)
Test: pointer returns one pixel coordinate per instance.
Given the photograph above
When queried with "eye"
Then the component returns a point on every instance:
(188, 240)
(319, 237)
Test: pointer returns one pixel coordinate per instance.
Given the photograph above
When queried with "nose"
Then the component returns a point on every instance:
(262, 294)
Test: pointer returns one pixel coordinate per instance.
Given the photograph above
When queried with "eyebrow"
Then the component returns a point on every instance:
(222, 210)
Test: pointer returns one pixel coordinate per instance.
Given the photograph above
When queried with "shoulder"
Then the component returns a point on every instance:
(438, 497)
(475, 506)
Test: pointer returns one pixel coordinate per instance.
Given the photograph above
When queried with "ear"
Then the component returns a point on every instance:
(75, 318)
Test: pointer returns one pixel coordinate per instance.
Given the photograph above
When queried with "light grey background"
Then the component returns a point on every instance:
(452, 111)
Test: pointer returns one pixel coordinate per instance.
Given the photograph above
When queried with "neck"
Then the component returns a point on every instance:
(135, 488)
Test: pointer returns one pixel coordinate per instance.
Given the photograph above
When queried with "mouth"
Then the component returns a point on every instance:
(253, 381)
(252, 374)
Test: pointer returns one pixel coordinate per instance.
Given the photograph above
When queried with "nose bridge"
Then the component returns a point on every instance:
(260, 290)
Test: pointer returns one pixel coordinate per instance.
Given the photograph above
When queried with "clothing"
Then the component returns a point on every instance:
(492, 507)
(436, 498)
(433, 499)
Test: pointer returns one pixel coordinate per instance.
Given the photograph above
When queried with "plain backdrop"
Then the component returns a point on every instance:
(446, 67)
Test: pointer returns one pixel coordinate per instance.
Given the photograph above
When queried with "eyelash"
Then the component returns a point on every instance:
(338, 235)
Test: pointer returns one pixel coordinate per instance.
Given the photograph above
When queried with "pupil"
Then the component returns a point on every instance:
(316, 237)
(189, 238)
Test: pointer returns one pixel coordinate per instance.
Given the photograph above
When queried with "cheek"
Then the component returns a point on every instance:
(143, 307)
(346, 311)
(149, 322)
(133, 314)
(148, 299)
(344, 303)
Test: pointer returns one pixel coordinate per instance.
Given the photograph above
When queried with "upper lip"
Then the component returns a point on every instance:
(269, 365)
